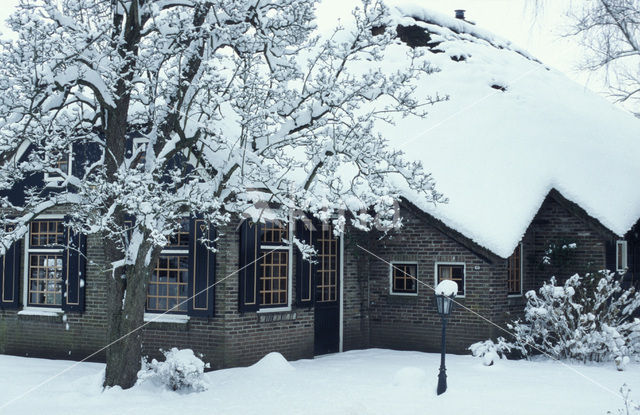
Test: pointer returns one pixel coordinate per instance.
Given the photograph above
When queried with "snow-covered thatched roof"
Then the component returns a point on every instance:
(512, 130)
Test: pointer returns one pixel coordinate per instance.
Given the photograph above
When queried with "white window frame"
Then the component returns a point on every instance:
(521, 245)
(52, 180)
(289, 248)
(625, 264)
(25, 274)
(391, 266)
(464, 275)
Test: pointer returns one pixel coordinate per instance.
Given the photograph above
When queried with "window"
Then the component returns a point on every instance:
(273, 284)
(403, 278)
(621, 255)
(327, 276)
(54, 267)
(44, 263)
(140, 147)
(514, 272)
(453, 272)
(168, 285)
(61, 161)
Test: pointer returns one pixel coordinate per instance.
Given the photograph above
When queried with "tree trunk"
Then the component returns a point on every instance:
(126, 305)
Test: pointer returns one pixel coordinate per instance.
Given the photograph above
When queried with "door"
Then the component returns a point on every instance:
(327, 293)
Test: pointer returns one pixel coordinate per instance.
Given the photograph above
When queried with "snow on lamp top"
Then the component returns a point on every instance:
(447, 288)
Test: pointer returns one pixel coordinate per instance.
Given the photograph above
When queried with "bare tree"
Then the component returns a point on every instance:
(610, 32)
(231, 102)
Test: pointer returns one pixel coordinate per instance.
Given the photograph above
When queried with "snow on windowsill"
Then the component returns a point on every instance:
(165, 318)
(46, 312)
(274, 310)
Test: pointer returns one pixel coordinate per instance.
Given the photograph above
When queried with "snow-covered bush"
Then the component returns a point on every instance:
(489, 351)
(181, 371)
(588, 318)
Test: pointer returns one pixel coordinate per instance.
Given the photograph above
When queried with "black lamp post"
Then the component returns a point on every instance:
(445, 305)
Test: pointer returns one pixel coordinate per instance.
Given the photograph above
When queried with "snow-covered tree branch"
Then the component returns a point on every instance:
(197, 108)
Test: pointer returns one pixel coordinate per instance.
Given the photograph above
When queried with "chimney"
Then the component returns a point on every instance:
(460, 14)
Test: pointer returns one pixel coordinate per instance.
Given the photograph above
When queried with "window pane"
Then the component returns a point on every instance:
(45, 279)
(452, 272)
(165, 288)
(327, 274)
(514, 272)
(274, 233)
(180, 239)
(274, 278)
(46, 233)
(404, 278)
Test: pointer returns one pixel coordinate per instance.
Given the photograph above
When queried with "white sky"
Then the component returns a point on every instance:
(536, 30)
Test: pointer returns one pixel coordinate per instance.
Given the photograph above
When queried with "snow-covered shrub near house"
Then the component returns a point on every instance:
(588, 318)
(181, 371)
(489, 351)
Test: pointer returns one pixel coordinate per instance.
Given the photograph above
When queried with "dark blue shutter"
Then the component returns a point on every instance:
(16, 194)
(202, 270)
(74, 267)
(10, 277)
(84, 155)
(610, 255)
(306, 231)
(248, 299)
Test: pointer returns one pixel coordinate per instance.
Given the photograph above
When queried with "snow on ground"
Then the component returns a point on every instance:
(353, 383)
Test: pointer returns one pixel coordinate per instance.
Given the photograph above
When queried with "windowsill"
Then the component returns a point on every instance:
(166, 318)
(404, 294)
(274, 310)
(37, 311)
(515, 295)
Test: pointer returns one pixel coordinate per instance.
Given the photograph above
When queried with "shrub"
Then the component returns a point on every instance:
(181, 371)
(587, 319)
(489, 351)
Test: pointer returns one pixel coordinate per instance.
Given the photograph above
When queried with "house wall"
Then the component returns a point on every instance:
(372, 317)
(249, 336)
(411, 322)
(356, 291)
(51, 336)
(555, 224)
(227, 339)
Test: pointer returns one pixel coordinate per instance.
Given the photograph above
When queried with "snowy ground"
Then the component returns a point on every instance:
(355, 383)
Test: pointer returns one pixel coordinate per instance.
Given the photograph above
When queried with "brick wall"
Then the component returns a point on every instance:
(554, 223)
(411, 322)
(372, 317)
(355, 318)
(227, 339)
(52, 337)
(246, 339)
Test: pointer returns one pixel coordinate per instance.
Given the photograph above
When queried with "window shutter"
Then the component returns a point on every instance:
(74, 264)
(306, 231)
(249, 249)
(83, 156)
(10, 277)
(202, 270)
(610, 255)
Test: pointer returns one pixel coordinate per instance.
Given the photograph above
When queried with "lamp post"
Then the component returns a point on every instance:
(445, 293)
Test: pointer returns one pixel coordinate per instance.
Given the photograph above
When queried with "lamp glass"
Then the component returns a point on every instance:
(444, 304)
